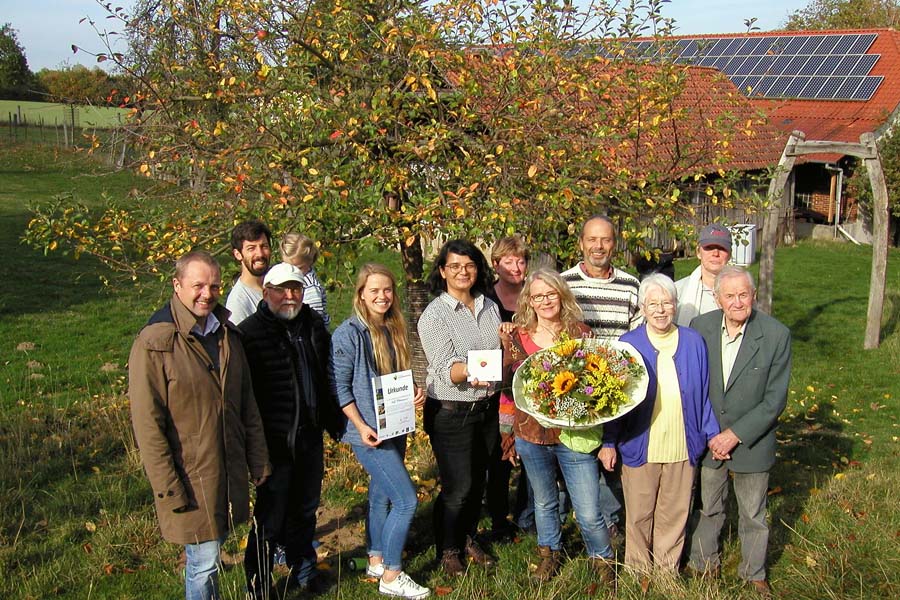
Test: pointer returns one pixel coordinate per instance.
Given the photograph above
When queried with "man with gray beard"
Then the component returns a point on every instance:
(289, 349)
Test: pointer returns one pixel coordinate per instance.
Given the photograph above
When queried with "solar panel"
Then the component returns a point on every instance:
(832, 85)
(844, 44)
(828, 65)
(867, 88)
(827, 44)
(809, 46)
(778, 87)
(845, 92)
(862, 45)
(823, 66)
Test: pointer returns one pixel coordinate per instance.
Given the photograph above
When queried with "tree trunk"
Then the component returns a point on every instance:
(417, 298)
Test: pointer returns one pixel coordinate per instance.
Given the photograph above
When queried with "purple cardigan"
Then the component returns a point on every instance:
(631, 433)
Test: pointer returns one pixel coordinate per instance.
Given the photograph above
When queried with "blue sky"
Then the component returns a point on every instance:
(48, 28)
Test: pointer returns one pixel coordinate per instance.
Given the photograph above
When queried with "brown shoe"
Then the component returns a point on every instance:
(450, 563)
(761, 587)
(549, 565)
(477, 554)
(604, 569)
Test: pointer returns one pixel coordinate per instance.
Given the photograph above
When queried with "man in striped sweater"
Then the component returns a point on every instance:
(608, 296)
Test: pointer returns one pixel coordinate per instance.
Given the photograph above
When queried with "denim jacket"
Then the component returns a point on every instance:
(354, 368)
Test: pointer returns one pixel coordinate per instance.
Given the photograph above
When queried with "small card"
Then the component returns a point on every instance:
(395, 411)
(485, 365)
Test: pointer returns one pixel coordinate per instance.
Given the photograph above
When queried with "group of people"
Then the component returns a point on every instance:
(222, 397)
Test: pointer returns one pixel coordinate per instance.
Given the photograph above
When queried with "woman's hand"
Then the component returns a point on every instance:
(607, 458)
(419, 398)
(368, 435)
(506, 330)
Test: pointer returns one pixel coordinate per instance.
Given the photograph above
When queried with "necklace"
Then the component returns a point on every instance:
(553, 334)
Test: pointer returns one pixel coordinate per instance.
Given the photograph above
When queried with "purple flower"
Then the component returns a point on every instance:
(546, 364)
(588, 389)
(579, 353)
(543, 385)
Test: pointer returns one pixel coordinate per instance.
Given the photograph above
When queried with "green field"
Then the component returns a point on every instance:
(76, 517)
(50, 114)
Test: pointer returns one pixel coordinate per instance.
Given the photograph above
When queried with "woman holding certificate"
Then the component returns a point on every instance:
(459, 334)
(369, 345)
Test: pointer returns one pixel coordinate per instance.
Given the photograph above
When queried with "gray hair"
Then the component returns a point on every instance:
(660, 281)
(729, 271)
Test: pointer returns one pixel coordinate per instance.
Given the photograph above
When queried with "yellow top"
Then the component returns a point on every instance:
(668, 443)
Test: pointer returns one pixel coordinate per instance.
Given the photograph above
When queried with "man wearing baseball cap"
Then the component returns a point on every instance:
(695, 292)
(289, 349)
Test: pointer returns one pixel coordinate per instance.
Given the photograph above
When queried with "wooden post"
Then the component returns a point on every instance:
(880, 226)
(774, 209)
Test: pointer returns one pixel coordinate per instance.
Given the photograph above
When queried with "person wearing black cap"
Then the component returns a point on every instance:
(695, 292)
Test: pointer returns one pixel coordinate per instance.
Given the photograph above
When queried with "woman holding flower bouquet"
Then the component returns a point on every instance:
(460, 415)
(662, 439)
(547, 314)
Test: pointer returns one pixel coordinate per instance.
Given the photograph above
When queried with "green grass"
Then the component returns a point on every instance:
(76, 519)
(50, 114)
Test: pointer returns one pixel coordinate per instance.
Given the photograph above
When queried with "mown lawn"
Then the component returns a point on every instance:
(75, 512)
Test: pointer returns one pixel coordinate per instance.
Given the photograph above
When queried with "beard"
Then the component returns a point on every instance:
(287, 312)
(257, 271)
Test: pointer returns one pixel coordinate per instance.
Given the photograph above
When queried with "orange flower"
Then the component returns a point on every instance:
(564, 382)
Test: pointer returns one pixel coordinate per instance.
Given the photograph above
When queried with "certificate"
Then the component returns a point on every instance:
(485, 365)
(395, 413)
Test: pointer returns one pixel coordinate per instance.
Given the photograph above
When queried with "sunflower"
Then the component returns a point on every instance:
(566, 348)
(564, 382)
(595, 364)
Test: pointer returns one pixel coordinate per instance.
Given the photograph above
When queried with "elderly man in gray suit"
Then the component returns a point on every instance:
(749, 372)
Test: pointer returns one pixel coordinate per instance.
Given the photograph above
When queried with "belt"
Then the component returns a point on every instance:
(476, 407)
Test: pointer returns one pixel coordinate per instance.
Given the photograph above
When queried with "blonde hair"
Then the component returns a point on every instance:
(511, 245)
(297, 249)
(569, 312)
(393, 321)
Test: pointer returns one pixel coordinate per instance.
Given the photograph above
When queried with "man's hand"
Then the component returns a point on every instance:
(260, 480)
(722, 444)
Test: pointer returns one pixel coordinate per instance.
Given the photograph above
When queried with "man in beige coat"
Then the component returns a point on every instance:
(196, 421)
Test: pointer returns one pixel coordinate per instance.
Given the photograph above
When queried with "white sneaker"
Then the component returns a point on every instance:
(403, 587)
(375, 571)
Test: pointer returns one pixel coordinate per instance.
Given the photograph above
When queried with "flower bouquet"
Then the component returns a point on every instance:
(580, 383)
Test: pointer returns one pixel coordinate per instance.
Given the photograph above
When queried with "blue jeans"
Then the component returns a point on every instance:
(582, 477)
(392, 499)
(201, 570)
(285, 513)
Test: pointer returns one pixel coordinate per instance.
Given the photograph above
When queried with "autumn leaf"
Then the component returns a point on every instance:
(443, 590)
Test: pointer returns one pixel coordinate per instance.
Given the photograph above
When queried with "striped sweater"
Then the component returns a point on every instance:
(610, 306)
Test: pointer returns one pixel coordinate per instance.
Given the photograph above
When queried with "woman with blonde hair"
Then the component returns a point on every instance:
(548, 313)
(373, 342)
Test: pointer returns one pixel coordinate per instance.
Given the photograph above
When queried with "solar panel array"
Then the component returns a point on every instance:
(816, 67)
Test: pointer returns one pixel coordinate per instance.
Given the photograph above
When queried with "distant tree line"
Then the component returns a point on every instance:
(69, 84)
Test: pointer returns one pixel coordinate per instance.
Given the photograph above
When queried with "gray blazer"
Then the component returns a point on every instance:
(756, 392)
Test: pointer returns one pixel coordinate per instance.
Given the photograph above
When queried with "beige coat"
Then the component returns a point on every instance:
(198, 430)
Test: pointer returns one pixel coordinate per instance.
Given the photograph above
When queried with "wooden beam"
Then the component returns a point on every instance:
(880, 226)
(774, 208)
(826, 147)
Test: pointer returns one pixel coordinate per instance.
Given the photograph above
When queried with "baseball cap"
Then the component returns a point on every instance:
(282, 273)
(715, 235)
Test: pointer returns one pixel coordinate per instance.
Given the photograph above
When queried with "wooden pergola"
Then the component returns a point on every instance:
(866, 149)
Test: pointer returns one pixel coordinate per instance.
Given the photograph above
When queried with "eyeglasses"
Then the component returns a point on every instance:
(456, 267)
(666, 305)
(540, 298)
(278, 289)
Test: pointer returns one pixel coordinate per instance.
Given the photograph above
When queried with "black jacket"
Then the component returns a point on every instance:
(272, 346)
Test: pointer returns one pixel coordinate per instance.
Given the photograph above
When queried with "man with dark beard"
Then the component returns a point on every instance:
(289, 350)
(250, 246)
